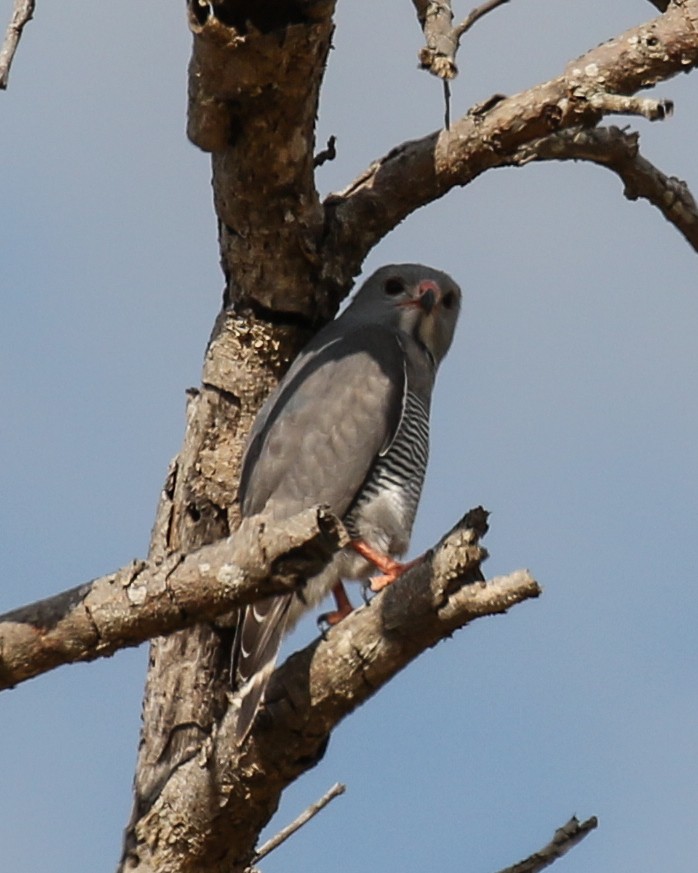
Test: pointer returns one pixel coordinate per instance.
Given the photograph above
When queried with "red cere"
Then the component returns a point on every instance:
(429, 285)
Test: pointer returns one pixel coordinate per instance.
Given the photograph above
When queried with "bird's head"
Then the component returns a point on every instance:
(417, 300)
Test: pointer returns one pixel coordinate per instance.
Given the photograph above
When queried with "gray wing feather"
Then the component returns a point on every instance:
(315, 441)
(338, 408)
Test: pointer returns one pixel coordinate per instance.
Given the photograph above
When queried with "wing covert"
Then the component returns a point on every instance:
(335, 411)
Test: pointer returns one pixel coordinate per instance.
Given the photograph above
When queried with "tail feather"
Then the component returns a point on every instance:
(257, 641)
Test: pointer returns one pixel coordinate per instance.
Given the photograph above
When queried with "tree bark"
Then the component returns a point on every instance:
(210, 812)
(144, 599)
(254, 81)
(288, 260)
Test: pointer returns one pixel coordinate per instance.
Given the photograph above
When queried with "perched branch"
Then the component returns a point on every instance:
(288, 260)
(565, 838)
(21, 15)
(254, 83)
(618, 151)
(420, 171)
(307, 697)
(274, 843)
(144, 600)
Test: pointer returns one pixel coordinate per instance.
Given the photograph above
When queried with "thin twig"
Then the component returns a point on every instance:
(298, 823)
(476, 14)
(447, 105)
(21, 14)
(565, 838)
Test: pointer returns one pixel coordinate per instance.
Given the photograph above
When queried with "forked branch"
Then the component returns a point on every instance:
(600, 83)
(308, 696)
(442, 38)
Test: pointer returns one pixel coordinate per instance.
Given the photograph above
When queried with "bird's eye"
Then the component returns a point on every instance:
(449, 300)
(394, 286)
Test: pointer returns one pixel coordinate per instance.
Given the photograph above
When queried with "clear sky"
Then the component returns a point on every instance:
(567, 407)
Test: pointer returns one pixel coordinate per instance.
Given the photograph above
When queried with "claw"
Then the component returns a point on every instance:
(323, 624)
(391, 568)
(344, 607)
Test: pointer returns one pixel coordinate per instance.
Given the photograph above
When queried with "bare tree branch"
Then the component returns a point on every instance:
(21, 14)
(438, 55)
(442, 39)
(288, 260)
(565, 838)
(477, 14)
(253, 115)
(284, 834)
(619, 104)
(618, 150)
(307, 697)
(144, 599)
(254, 82)
(418, 172)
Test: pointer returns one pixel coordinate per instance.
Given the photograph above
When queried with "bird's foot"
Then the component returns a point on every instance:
(378, 583)
(344, 607)
(391, 569)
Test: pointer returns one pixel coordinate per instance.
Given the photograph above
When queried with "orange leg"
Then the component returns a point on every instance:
(390, 568)
(344, 606)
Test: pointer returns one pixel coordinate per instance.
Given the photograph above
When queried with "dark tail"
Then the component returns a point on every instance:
(257, 641)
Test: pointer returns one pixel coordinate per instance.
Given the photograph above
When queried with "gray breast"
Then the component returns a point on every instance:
(384, 510)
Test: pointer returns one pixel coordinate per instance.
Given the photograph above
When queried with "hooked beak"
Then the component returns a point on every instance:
(427, 298)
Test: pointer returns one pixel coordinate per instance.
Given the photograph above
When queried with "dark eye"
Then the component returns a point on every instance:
(449, 300)
(394, 286)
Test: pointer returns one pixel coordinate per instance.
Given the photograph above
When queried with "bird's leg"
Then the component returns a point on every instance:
(389, 567)
(344, 607)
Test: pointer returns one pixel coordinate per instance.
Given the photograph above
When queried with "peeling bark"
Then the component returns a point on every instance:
(420, 171)
(254, 81)
(144, 599)
(210, 812)
(288, 260)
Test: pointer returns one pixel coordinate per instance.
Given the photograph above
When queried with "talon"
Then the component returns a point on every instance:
(323, 624)
(383, 562)
(378, 583)
(391, 569)
(343, 609)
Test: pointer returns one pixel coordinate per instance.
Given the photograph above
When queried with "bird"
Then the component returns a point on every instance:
(347, 427)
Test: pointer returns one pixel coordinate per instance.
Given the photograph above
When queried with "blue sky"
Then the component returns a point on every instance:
(567, 407)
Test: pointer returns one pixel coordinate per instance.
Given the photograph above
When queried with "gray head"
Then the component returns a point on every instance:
(411, 298)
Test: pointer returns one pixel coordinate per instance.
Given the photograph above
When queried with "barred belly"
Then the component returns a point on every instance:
(384, 510)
